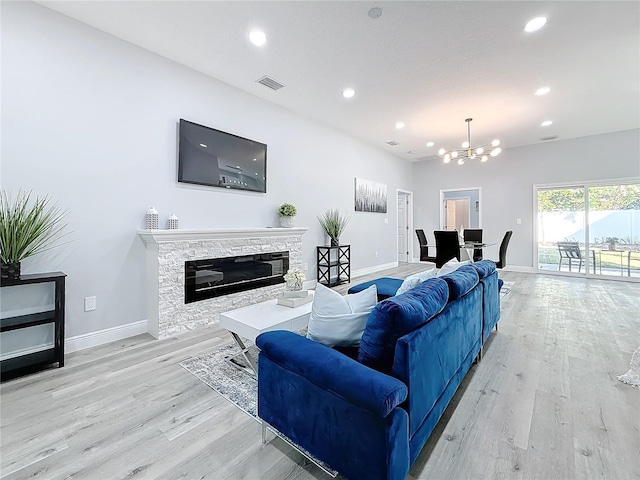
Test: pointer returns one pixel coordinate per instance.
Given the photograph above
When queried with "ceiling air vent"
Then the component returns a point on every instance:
(270, 82)
(393, 143)
(552, 137)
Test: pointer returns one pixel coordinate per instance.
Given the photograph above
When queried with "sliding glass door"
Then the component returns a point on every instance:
(589, 229)
(614, 229)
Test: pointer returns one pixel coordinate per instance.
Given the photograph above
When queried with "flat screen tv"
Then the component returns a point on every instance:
(218, 159)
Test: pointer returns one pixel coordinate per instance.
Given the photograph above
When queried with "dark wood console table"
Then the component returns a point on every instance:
(20, 365)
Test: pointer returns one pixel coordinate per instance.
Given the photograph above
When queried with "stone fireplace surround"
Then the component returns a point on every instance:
(166, 252)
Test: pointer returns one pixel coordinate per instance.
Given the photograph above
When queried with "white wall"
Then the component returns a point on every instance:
(92, 121)
(507, 183)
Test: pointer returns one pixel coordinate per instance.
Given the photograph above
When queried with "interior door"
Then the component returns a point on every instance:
(403, 238)
(456, 214)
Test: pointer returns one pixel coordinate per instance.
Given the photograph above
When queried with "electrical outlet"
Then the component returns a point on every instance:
(306, 266)
(89, 303)
(376, 254)
(519, 221)
(386, 220)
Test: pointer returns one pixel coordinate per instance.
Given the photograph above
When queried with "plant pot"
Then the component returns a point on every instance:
(10, 270)
(335, 242)
(286, 222)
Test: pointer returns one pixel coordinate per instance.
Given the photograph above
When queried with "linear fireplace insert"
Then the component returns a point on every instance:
(221, 276)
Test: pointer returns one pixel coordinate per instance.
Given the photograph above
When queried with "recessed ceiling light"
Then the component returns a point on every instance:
(348, 92)
(430, 144)
(399, 125)
(255, 160)
(535, 24)
(543, 91)
(203, 145)
(258, 37)
(546, 123)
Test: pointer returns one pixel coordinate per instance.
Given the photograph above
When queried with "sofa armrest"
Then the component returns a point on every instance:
(332, 371)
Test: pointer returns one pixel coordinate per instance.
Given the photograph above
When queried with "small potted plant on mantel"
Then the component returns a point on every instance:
(27, 228)
(286, 212)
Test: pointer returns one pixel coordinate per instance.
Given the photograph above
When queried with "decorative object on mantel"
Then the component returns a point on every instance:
(333, 223)
(172, 222)
(294, 279)
(467, 152)
(370, 196)
(27, 228)
(286, 212)
(151, 219)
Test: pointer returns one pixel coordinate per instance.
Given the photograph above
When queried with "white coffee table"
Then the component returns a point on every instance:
(249, 322)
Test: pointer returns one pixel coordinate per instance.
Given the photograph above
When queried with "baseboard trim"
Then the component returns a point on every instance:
(94, 339)
(374, 269)
(519, 268)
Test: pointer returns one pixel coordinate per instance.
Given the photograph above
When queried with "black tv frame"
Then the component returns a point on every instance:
(228, 186)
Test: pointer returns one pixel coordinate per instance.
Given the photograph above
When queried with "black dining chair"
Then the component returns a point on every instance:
(424, 249)
(447, 246)
(474, 235)
(502, 262)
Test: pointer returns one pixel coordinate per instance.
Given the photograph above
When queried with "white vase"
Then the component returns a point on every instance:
(286, 222)
(151, 219)
(172, 222)
(295, 284)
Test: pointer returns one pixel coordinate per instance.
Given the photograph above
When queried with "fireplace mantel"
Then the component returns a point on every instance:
(166, 252)
(161, 236)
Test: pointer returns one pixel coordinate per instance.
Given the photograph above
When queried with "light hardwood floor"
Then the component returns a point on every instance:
(543, 403)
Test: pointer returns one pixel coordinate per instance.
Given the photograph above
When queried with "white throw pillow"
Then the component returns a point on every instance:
(451, 266)
(339, 321)
(415, 279)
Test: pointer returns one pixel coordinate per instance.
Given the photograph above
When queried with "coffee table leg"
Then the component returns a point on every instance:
(245, 352)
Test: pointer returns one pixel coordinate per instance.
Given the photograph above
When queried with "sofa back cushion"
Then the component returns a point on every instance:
(397, 316)
(484, 268)
(461, 282)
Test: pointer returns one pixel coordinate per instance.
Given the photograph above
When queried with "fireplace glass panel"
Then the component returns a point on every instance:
(221, 276)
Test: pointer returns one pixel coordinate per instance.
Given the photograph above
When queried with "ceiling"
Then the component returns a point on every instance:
(427, 64)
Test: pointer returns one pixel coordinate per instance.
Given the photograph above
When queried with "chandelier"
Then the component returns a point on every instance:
(467, 152)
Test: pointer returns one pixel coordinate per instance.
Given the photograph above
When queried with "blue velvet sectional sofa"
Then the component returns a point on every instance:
(368, 417)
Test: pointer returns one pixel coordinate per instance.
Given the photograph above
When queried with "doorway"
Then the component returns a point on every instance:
(404, 226)
(460, 209)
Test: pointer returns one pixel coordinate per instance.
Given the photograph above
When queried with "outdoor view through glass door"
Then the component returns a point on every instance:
(590, 229)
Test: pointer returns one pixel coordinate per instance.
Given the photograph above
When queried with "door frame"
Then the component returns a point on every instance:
(443, 191)
(409, 214)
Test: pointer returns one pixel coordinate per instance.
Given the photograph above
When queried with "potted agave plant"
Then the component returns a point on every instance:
(333, 223)
(27, 227)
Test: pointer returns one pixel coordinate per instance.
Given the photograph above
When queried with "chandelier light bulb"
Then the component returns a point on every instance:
(496, 152)
(465, 144)
(484, 158)
(495, 143)
(461, 161)
(454, 154)
(473, 155)
(479, 150)
(442, 151)
(447, 158)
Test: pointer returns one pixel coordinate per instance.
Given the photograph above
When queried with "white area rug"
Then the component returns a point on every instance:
(632, 377)
(506, 288)
(235, 385)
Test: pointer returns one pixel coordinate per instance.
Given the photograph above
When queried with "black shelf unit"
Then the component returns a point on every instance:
(333, 264)
(23, 364)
